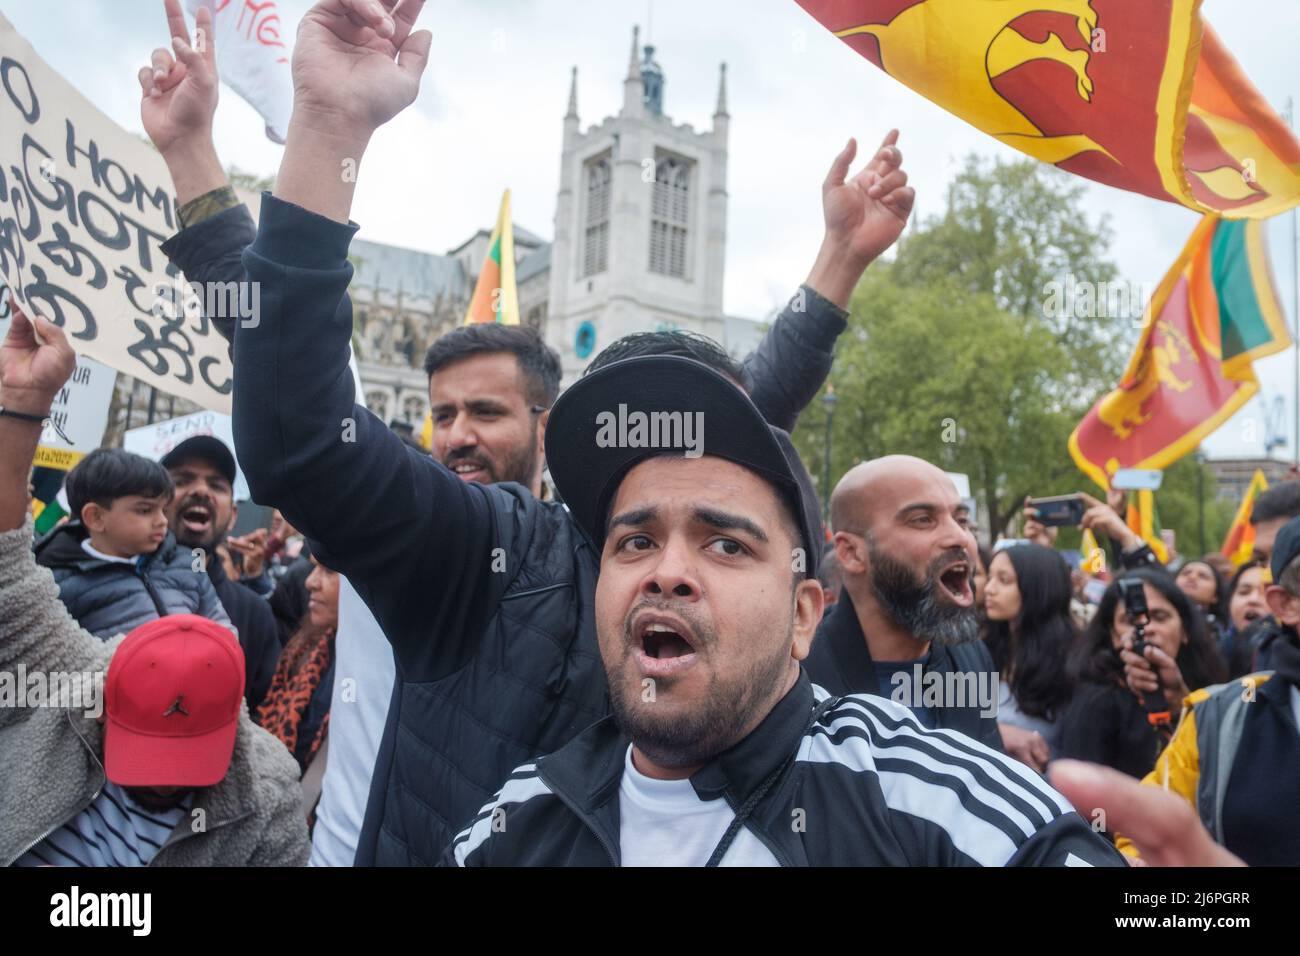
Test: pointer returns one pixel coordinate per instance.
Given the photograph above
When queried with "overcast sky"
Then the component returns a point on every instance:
(490, 108)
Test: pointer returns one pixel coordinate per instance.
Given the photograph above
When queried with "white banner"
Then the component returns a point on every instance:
(84, 206)
(252, 57)
(80, 411)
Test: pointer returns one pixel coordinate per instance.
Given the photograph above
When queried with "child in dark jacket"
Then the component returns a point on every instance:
(116, 564)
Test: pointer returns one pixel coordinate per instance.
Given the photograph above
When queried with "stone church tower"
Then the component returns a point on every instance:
(640, 222)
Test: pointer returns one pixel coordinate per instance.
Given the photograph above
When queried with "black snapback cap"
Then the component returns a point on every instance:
(618, 416)
(207, 448)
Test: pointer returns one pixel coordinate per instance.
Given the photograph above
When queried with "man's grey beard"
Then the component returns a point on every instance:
(716, 724)
(914, 605)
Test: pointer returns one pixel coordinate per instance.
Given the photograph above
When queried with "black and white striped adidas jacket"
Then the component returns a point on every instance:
(867, 786)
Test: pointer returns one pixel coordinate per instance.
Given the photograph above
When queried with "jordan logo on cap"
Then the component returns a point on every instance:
(176, 707)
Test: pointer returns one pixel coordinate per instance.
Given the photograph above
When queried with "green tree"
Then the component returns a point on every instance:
(952, 356)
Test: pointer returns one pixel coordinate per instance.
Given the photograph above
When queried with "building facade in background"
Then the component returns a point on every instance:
(640, 244)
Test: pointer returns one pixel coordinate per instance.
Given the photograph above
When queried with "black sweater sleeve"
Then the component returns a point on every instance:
(211, 251)
(413, 538)
(789, 366)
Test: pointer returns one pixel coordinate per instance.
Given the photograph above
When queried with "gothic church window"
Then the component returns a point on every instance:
(595, 250)
(670, 216)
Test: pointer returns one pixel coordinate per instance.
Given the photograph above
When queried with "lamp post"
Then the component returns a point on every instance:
(829, 400)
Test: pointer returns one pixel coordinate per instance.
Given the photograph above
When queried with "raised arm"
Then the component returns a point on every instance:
(177, 103)
(864, 216)
(35, 629)
(411, 537)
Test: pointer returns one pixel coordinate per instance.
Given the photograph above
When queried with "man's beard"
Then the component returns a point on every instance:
(914, 605)
(518, 467)
(717, 722)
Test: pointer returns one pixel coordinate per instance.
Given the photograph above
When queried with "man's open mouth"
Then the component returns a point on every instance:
(466, 469)
(956, 582)
(196, 518)
(663, 645)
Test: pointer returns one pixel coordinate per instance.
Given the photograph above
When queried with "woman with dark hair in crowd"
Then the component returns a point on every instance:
(1204, 586)
(296, 708)
(1029, 633)
(1245, 607)
(1105, 722)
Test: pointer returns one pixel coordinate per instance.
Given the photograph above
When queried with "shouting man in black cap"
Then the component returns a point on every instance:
(720, 750)
(200, 515)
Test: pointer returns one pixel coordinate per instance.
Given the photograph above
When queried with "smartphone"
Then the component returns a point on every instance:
(1059, 510)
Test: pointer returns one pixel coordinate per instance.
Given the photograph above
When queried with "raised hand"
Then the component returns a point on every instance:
(356, 63)
(180, 92)
(178, 100)
(252, 547)
(33, 370)
(864, 216)
(1105, 518)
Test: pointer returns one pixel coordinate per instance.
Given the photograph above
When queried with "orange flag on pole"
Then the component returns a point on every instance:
(496, 297)
(1240, 541)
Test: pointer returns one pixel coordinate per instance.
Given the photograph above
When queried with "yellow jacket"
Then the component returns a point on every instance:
(1178, 768)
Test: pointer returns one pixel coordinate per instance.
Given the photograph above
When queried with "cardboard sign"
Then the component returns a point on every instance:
(81, 411)
(84, 207)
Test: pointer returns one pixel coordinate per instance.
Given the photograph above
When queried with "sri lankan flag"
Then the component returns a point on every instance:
(1240, 542)
(1137, 94)
(496, 299)
(1213, 314)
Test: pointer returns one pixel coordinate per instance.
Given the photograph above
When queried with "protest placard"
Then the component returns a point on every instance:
(80, 412)
(84, 206)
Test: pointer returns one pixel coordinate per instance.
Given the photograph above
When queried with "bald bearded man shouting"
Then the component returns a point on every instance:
(905, 626)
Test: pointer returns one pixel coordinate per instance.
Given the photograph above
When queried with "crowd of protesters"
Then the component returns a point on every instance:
(633, 656)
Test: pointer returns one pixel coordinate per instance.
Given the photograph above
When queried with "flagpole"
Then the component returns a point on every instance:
(1295, 300)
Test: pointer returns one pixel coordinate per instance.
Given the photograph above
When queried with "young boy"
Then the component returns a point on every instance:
(116, 564)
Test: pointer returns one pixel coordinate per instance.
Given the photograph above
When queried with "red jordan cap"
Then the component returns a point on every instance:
(172, 699)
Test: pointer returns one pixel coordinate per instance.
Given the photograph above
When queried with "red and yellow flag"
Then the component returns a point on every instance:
(1240, 541)
(496, 298)
(1137, 94)
(1213, 314)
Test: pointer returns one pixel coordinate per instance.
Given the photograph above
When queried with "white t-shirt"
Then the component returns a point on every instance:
(363, 687)
(664, 823)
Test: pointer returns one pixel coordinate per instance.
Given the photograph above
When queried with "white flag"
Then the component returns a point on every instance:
(253, 56)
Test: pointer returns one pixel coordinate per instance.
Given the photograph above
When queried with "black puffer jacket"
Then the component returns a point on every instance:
(108, 598)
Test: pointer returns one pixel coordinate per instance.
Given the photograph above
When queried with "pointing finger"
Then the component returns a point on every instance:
(840, 167)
